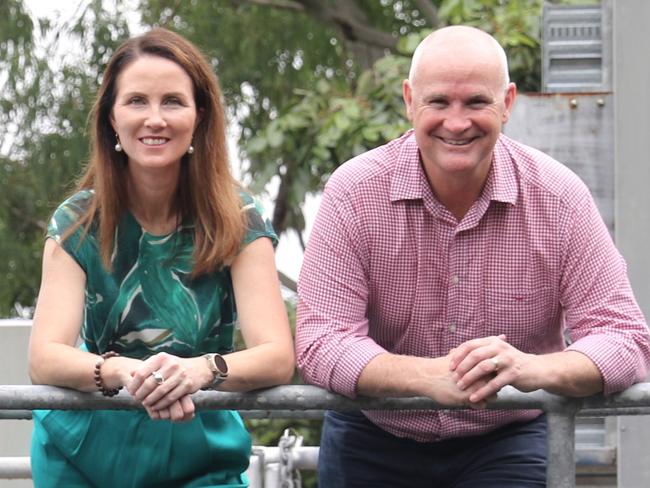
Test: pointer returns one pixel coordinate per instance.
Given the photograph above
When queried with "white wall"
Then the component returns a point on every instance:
(632, 156)
(15, 435)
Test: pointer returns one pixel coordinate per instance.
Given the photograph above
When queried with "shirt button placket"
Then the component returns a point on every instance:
(453, 290)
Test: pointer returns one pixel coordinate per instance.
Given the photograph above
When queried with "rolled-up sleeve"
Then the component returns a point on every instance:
(602, 316)
(332, 343)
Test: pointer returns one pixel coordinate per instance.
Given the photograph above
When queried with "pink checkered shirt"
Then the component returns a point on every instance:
(388, 268)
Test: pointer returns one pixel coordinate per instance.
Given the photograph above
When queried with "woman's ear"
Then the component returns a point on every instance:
(199, 117)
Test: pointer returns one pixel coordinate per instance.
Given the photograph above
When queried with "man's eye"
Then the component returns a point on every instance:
(478, 103)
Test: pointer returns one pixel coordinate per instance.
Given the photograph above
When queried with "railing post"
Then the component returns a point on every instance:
(255, 471)
(560, 449)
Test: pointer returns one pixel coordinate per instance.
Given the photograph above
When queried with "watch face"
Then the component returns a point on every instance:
(220, 363)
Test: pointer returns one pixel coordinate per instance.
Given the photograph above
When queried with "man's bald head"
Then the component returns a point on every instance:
(461, 43)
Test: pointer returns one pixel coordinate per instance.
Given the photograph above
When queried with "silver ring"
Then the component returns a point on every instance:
(158, 377)
(495, 361)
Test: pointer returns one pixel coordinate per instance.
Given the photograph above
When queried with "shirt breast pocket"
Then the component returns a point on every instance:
(525, 316)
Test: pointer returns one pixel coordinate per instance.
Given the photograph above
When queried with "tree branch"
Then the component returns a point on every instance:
(20, 214)
(351, 21)
(165, 22)
(281, 209)
(279, 4)
(365, 42)
(429, 11)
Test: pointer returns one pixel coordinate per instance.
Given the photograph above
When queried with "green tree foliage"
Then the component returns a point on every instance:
(311, 83)
(321, 81)
(44, 103)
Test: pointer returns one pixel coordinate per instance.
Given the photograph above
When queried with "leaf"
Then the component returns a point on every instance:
(256, 145)
(274, 138)
(322, 86)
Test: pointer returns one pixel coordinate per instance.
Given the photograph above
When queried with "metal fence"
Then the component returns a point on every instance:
(293, 400)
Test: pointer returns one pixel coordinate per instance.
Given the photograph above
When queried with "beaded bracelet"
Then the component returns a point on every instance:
(109, 392)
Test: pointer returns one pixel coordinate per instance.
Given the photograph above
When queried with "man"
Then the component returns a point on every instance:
(448, 263)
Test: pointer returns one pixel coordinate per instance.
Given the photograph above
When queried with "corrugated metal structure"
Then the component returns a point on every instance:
(576, 48)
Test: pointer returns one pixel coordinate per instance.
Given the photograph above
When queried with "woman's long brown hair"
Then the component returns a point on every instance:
(207, 192)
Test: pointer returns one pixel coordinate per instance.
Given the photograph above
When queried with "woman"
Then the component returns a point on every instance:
(146, 261)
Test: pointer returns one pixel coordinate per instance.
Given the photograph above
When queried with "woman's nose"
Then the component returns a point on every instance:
(155, 118)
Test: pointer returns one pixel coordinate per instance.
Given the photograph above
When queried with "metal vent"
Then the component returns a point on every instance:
(572, 49)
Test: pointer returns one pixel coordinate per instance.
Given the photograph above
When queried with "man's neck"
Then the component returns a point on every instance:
(457, 191)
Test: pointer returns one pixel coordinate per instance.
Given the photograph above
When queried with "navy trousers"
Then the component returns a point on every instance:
(355, 453)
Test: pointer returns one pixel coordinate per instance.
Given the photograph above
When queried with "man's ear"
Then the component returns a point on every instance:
(407, 95)
(509, 101)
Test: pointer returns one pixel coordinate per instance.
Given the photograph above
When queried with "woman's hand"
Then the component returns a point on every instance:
(181, 410)
(164, 383)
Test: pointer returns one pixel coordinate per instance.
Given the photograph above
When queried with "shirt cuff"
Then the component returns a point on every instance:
(351, 362)
(619, 362)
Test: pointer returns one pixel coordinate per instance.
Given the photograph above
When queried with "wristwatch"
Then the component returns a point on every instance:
(219, 368)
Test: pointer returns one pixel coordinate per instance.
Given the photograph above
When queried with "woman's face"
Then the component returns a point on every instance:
(154, 113)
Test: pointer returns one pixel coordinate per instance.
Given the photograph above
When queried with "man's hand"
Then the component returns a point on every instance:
(418, 376)
(445, 390)
(483, 366)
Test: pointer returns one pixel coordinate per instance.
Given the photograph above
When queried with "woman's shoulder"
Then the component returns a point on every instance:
(257, 225)
(70, 211)
(248, 200)
(78, 203)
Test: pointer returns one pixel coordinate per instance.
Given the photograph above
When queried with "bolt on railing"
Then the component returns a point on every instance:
(561, 411)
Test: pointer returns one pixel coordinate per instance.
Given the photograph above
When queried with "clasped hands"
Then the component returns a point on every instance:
(163, 384)
(481, 367)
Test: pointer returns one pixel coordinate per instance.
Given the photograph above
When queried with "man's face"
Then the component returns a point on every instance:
(457, 108)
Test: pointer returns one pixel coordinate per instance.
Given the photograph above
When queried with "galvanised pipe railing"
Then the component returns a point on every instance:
(561, 411)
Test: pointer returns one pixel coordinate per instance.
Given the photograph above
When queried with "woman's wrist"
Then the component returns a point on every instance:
(100, 382)
(205, 375)
(118, 371)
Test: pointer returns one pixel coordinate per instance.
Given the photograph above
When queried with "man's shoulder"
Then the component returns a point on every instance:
(371, 169)
(540, 172)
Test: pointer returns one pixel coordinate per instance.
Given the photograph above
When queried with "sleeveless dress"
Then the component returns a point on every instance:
(147, 304)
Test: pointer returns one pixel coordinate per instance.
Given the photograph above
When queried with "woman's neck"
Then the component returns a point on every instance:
(152, 200)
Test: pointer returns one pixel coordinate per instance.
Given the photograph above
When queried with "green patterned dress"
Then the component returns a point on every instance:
(147, 304)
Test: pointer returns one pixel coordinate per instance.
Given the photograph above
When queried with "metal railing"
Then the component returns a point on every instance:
(291, 400)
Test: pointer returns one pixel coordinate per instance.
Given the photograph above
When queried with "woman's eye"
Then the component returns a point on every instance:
(173, 101)
(136, 100)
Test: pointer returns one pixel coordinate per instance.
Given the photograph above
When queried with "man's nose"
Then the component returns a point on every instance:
(457, 120)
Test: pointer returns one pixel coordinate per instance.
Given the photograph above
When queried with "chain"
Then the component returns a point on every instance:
(289, 476)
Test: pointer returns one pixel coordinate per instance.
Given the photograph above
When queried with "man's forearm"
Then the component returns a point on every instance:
(569, 373)
(393, 375)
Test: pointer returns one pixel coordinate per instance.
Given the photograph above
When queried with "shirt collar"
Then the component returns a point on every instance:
(408, 175)
(501, 185)
(408, 178)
